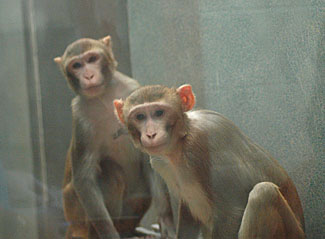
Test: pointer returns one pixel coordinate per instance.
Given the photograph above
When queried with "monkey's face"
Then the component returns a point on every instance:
(151, 126)
(155, 117)
(88, 65)
(85, 73)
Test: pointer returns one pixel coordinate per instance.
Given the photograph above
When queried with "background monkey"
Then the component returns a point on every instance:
(228, 186)
(107, 181)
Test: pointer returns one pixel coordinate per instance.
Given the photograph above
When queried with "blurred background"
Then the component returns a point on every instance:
(259, 62)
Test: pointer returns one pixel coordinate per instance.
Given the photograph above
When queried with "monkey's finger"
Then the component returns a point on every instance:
(155, 227)
(147, 232)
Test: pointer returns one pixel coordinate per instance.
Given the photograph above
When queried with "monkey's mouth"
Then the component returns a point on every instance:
(154, 148)
(94, 89)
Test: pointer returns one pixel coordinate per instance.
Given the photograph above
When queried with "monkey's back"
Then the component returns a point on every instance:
(237, 164)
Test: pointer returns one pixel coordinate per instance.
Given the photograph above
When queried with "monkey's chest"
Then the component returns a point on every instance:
(195, 197)
(110, 135)
(114, 144)
(184, 186)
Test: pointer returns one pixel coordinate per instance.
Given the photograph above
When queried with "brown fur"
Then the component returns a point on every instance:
(107, 182)
(228, 186)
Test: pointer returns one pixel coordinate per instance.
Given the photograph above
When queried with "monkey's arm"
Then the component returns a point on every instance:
(162, 202)
(188, 227)
(84, 179)
(91, 198)
(162, 198)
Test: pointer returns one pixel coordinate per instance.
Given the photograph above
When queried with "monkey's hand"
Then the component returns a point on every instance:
(148, 234)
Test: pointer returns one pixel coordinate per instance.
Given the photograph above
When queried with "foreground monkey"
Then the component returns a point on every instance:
(107, 182)
(228, 186)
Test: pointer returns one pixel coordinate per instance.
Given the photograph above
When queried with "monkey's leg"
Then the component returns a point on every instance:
(74, 214)
(92, 234)
(112, 182)
(268, 215)
(187, 227)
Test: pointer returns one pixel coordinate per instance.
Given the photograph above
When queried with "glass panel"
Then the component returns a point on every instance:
(259, 63)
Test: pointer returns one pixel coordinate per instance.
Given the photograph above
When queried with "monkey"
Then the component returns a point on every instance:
(227, 185)
(107, 181)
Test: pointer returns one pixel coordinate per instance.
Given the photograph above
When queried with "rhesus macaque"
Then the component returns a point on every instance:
(107, 182)
(228, 186)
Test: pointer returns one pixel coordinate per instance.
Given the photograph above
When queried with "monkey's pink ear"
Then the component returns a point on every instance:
(107, 41)
(118, 104)
(58, 60)
(187, 97)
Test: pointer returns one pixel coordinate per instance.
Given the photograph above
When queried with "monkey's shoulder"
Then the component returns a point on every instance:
(207, 115)
(126, 84)
(212, 123)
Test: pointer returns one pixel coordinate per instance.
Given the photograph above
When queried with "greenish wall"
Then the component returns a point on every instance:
(18, 200)
(260, 63)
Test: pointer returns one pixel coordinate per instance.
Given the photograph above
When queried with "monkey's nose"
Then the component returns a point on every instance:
(151, 135)
(89, 77)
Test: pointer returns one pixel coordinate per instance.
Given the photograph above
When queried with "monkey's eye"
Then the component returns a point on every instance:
(76, 65)
(92, 59)
(140, 117)
(159, 113)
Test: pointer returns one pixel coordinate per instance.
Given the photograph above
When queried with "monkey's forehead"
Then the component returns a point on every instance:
(151, 93)
(147, 106)
(82, 54)
(82, 45)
